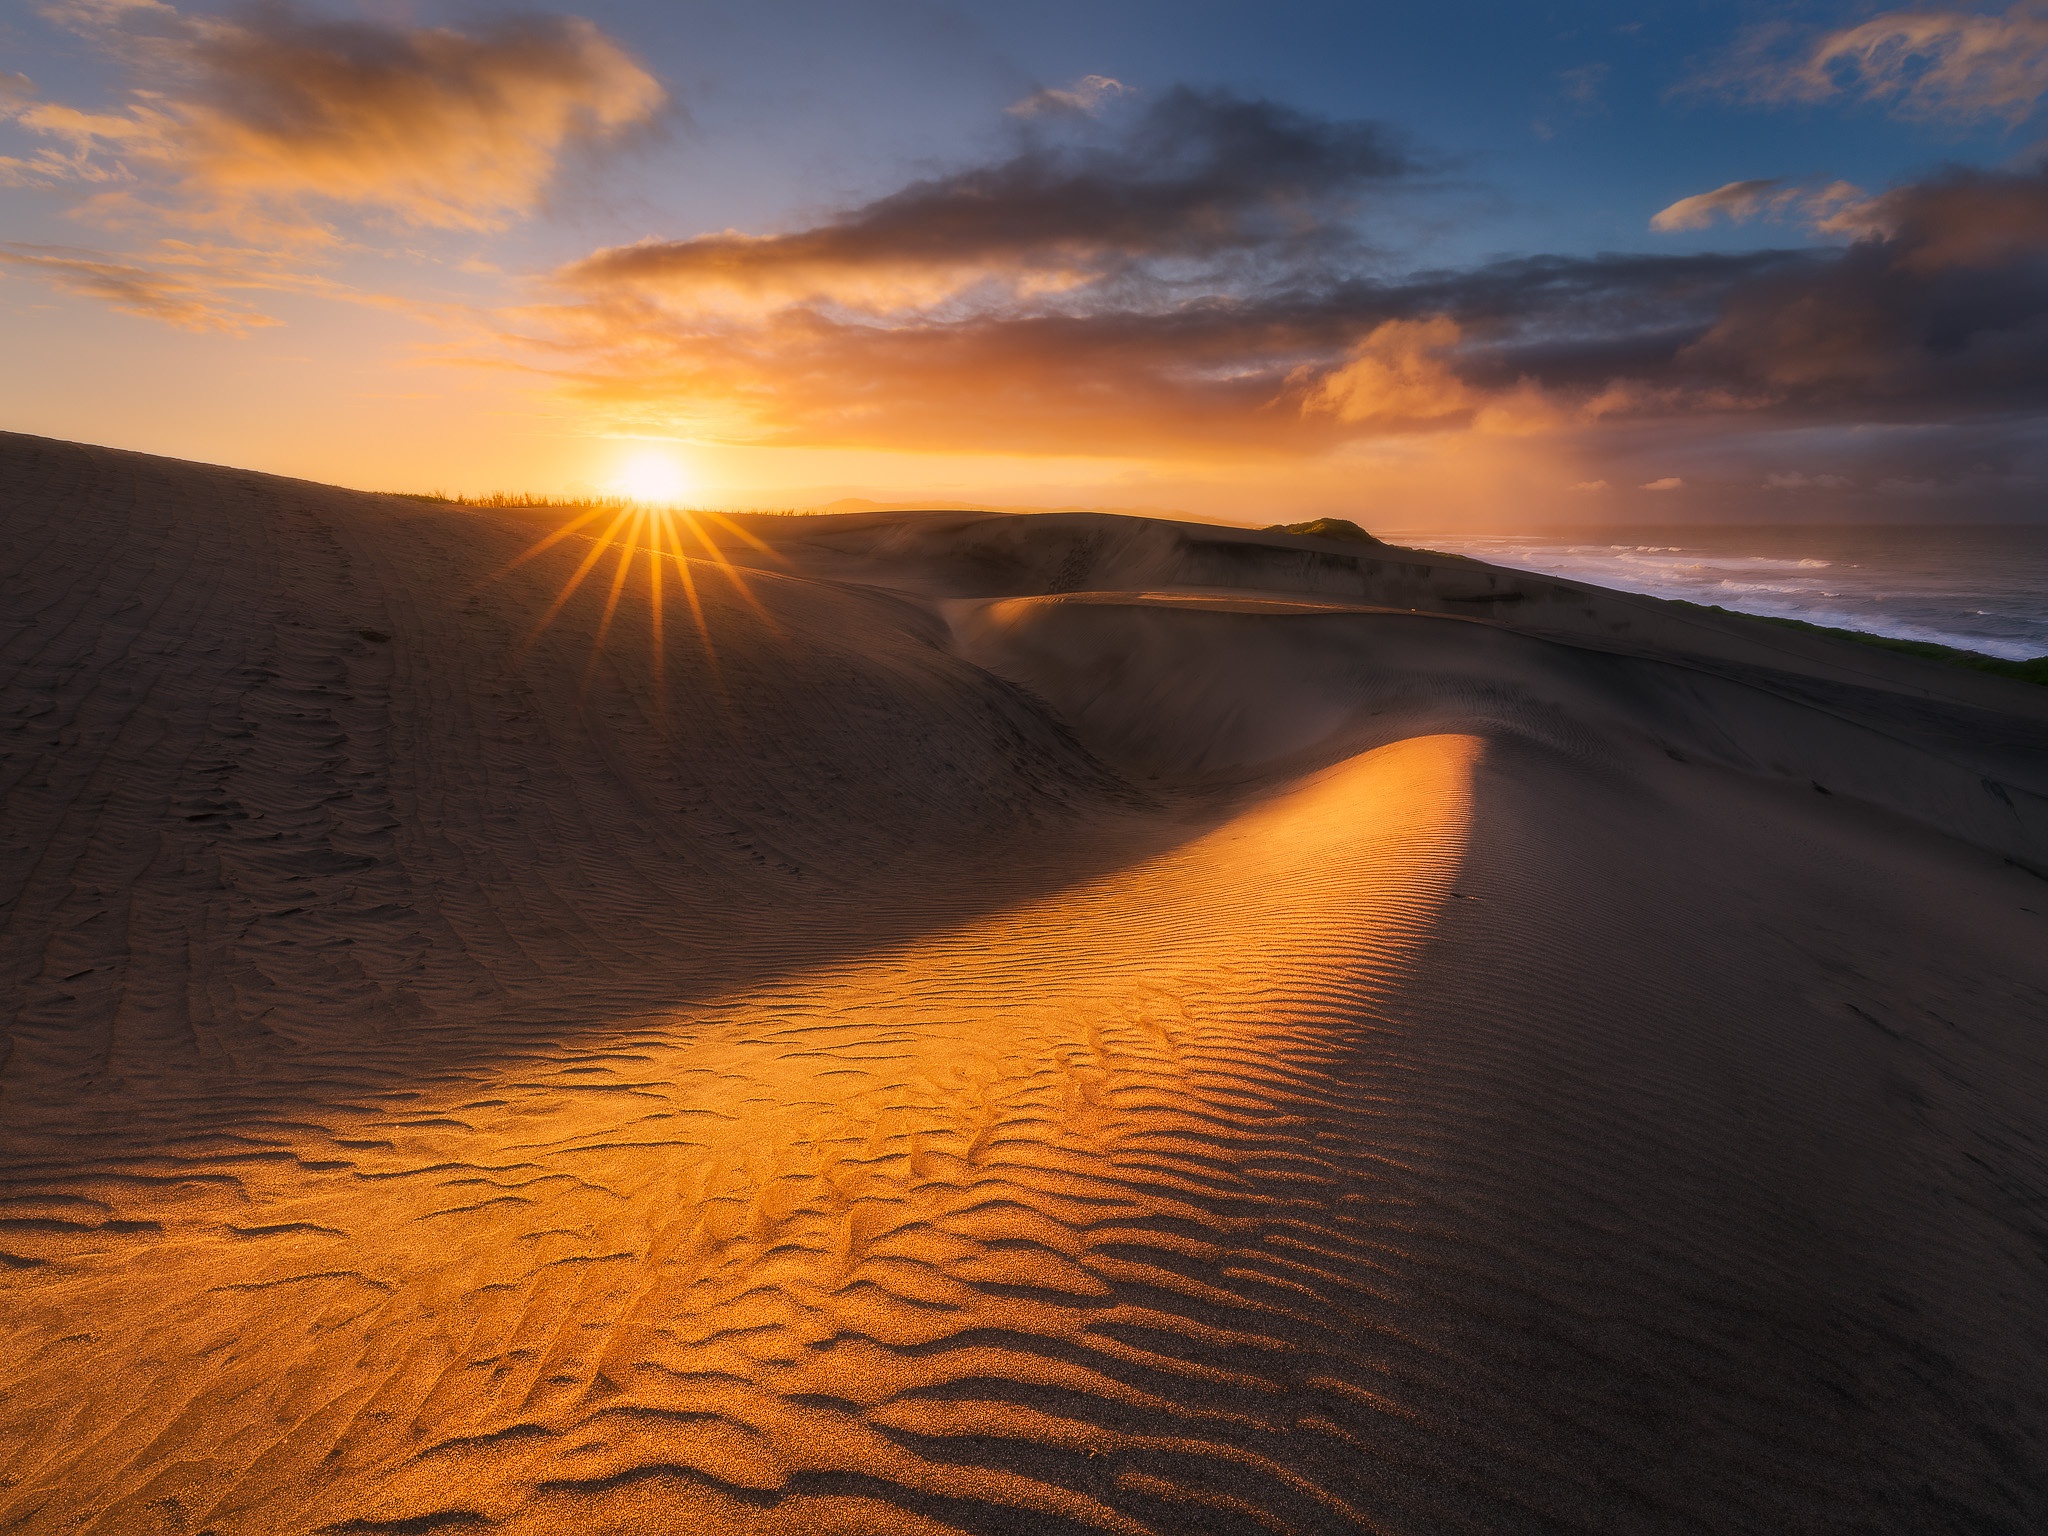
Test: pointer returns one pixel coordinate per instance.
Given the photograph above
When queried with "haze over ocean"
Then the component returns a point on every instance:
(1980, 588)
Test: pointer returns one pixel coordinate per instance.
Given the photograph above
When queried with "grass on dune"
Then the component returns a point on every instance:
(516, 499)
(2033, 670)
(531, 499)
(1325, 528)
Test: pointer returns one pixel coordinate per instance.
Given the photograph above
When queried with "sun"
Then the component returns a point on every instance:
(653, 476)
(641, 527)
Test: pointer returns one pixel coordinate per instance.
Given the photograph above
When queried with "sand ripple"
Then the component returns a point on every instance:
(1158, 1063)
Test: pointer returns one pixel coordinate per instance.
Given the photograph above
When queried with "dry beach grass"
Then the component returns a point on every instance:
(1029, 1024)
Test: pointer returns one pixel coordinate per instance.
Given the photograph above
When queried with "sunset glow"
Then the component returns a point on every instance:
(653, 476)
(1790, 272)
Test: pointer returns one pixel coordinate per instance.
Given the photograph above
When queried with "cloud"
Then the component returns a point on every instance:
(1740, 201)
(1199, 178)
(1097, 296)
(1396, 376)
(272, 112)
(1130, 367)
(183, 300)
(1961, 220)
(1925, 64)
(1400, 378)
(1935, 310)
(1588, 485)
(1581, 85)
(1794, 480)
(1939, 307)
(1087, 96)
(1194, 277)
(1737, 201)
(1158, 277)
(1668, 483)
(202, 285)
(929, 319)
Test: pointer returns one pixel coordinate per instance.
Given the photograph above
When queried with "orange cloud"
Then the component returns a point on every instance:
(1938, 63)
(759, 274)
(1077, 295)
(1397, 376)
(1038, 384)
(1280, 355)
(1921, 63)
(184, 300)
(1189, 279)
(1399, 379)
(269, 114)
(1740, 201)
(197, 285)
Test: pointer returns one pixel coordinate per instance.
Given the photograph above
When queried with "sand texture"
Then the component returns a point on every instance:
(952, 1022)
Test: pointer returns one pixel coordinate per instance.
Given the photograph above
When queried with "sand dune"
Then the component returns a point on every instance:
(990, 1024)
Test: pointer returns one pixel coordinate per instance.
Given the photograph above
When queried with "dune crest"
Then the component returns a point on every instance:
(1017, 1024)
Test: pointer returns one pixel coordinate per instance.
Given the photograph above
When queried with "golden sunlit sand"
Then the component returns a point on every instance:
(952, 1022)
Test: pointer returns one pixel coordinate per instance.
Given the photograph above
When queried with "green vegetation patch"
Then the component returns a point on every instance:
(580, 503)
(2034, 670)
(518, 499)
(1325, 528)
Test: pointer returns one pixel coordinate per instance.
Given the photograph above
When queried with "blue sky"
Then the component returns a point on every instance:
(1562, 128)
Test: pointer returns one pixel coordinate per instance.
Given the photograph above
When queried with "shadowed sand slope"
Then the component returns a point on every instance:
(944, 1022)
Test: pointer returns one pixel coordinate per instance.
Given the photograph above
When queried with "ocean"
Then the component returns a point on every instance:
(1982, 588)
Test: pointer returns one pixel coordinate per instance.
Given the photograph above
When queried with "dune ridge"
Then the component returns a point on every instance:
(1051, 1023)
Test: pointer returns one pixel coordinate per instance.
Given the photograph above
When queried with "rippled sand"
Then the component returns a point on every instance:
(1013, 1024)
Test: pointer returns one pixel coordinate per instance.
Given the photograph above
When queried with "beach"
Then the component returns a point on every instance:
(1969, 587)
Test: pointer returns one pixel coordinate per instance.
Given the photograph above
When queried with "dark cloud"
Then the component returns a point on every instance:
(1962, 220)
(1939, 310)
(1193, 177)
(1202, 280)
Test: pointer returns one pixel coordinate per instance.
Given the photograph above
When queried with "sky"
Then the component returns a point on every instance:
(1469, 266)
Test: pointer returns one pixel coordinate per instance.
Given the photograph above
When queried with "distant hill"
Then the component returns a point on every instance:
(1325, 528)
